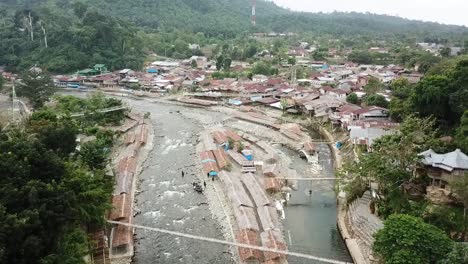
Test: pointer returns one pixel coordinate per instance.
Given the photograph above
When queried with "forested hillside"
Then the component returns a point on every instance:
(229, 17)
(64, 40)
(67, 35)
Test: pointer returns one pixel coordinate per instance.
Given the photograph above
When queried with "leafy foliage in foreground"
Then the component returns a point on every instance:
(52, 194)
(408, 240)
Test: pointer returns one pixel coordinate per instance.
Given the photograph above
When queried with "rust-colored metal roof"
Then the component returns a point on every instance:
(124, 182)
(245, 218)
(122, 236)
(142, 136)
(256, 190)
(122, 207)
(251, 238)
(273, 185)
(234, 189)
(219, 137)
(208, 161)
(238, 158)
(233, 135)
(127, 164)
(129, 138)
(271, 170)
(221, 158)
(268, 217)
(273, 239)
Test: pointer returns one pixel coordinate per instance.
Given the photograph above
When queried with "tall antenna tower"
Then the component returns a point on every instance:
(254, 21)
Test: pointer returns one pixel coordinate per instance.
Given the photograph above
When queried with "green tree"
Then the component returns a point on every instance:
(445, 52)
(227, 63)
(388, 163)
(219, 62)
(71, 248)
(399, 109)
(292, 60)
(462, 133)
(194, 64)
(94, 154)
(361, 57)
(352, 98)
(460, 187)
(373, 86)
(431, 97)
(56, 134)
(459, 255)
(319, 55)
(401, 88)
(37, 87)
(376, 100)
(2, 82)
(407, 239)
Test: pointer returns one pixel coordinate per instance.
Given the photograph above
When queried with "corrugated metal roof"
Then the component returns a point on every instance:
(255, 189)
(449, 161)
(234, 189)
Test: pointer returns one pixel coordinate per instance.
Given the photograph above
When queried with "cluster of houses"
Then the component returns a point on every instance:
(321, 94)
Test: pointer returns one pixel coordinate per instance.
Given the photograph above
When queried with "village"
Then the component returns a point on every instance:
(251, 182)
(322, 94)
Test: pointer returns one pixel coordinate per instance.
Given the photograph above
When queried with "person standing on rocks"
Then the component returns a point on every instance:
(204, 184)
(183, 174)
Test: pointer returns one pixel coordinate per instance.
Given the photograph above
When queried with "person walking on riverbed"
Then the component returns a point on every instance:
(183, 174)
(204, 184)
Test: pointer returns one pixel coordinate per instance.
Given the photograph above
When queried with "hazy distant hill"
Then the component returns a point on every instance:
(229, 17)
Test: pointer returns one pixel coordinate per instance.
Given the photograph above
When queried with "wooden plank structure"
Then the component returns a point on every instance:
(248, 167)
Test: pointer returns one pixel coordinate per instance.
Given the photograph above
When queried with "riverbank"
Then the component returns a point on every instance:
(134, 143)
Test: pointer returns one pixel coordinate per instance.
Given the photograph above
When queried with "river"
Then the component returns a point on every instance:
(310, 224)
(166, 200)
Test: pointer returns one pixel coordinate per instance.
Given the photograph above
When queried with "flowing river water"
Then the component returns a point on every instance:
(166, 199)
(310, 224)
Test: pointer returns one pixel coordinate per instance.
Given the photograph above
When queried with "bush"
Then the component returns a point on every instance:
(352, 99)
(408, 240)
(240, 147)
